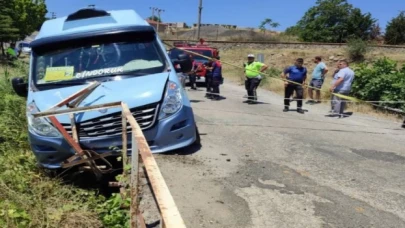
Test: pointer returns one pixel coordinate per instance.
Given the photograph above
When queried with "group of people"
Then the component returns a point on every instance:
(295, 77)
(213, 77)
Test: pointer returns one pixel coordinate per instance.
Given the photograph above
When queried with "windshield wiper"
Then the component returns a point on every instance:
(78, 82)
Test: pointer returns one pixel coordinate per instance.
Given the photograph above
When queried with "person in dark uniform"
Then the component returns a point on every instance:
(403, 124)
(193, 74)
(297, 74)
(208, 79)
(216, 69)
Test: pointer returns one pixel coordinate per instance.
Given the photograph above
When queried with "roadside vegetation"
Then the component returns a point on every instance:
(28, 196)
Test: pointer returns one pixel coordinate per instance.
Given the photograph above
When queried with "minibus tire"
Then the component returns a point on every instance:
(197, 141)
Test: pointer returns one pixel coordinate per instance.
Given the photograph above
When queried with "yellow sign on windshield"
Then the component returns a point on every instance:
(59, 73)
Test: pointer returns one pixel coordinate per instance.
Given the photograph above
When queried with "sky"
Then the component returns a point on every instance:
(243, 13)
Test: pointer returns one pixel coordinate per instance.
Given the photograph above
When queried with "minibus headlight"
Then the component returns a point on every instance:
(40, 125)
(172, 102)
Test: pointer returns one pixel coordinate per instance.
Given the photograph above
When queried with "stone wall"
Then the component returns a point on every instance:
(298, 46)
(256, 46)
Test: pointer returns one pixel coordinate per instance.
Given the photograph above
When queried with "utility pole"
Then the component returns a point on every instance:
(53, 15)
(153, 12)
(159, 11)
(199, 20)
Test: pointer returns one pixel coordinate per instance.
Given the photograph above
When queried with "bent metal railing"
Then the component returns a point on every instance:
(140, 151)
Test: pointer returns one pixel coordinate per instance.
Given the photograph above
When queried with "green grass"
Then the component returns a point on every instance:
(28, 197)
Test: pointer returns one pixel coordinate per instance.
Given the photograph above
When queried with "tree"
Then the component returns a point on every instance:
(269, 22)
(28, 16)
(375, 32)
(155, 18)
(7, 30)
(333, 21)
(359, 25)
(20, 18)
(395, 30)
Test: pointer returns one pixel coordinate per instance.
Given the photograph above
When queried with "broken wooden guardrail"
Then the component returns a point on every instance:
(170, 216)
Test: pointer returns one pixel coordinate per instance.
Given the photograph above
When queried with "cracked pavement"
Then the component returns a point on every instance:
(260, 167)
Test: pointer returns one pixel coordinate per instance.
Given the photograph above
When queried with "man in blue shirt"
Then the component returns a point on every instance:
(298, 75)
(342, 84)
(318, 77)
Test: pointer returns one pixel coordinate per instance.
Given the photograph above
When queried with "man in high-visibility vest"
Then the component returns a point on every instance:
(253, 77)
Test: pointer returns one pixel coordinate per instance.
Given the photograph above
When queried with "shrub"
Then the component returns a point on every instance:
(382, 81)
(357, 49)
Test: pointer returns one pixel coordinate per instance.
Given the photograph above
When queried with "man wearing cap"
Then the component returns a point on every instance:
(253, 77)
(297, 75)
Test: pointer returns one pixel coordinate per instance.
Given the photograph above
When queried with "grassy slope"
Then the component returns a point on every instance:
(278, 59)
(27, 197)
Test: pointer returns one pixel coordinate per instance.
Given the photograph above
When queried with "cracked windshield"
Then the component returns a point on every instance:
(89, 62)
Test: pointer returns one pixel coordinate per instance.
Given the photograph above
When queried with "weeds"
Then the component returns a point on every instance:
(28, 198)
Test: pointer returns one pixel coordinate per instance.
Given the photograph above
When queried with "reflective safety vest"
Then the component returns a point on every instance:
(252, 70)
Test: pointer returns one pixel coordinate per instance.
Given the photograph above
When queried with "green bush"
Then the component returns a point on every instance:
(357, 49)
(382, 81)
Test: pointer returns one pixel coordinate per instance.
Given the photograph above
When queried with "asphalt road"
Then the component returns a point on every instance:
(260, 167)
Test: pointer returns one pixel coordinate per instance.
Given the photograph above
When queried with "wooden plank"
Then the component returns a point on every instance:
(76, 147)
(80, 109)
(87, 160)
(167, 206)
(79, 93)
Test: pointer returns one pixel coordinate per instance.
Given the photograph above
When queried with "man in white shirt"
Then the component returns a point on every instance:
(342, 84)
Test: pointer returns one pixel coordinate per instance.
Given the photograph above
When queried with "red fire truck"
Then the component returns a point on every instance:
(201, 48)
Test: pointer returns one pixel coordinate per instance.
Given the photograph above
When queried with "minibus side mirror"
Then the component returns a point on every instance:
(20, 87)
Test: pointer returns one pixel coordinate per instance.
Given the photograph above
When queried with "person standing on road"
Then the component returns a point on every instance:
(193, 74)
(253, 77)
(333, 81)
(297, 74)
(216, 70)
(342, 84)
(318, 77)
(208, 79)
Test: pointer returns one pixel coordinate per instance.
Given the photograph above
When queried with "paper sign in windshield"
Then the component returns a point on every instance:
(58, 73)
